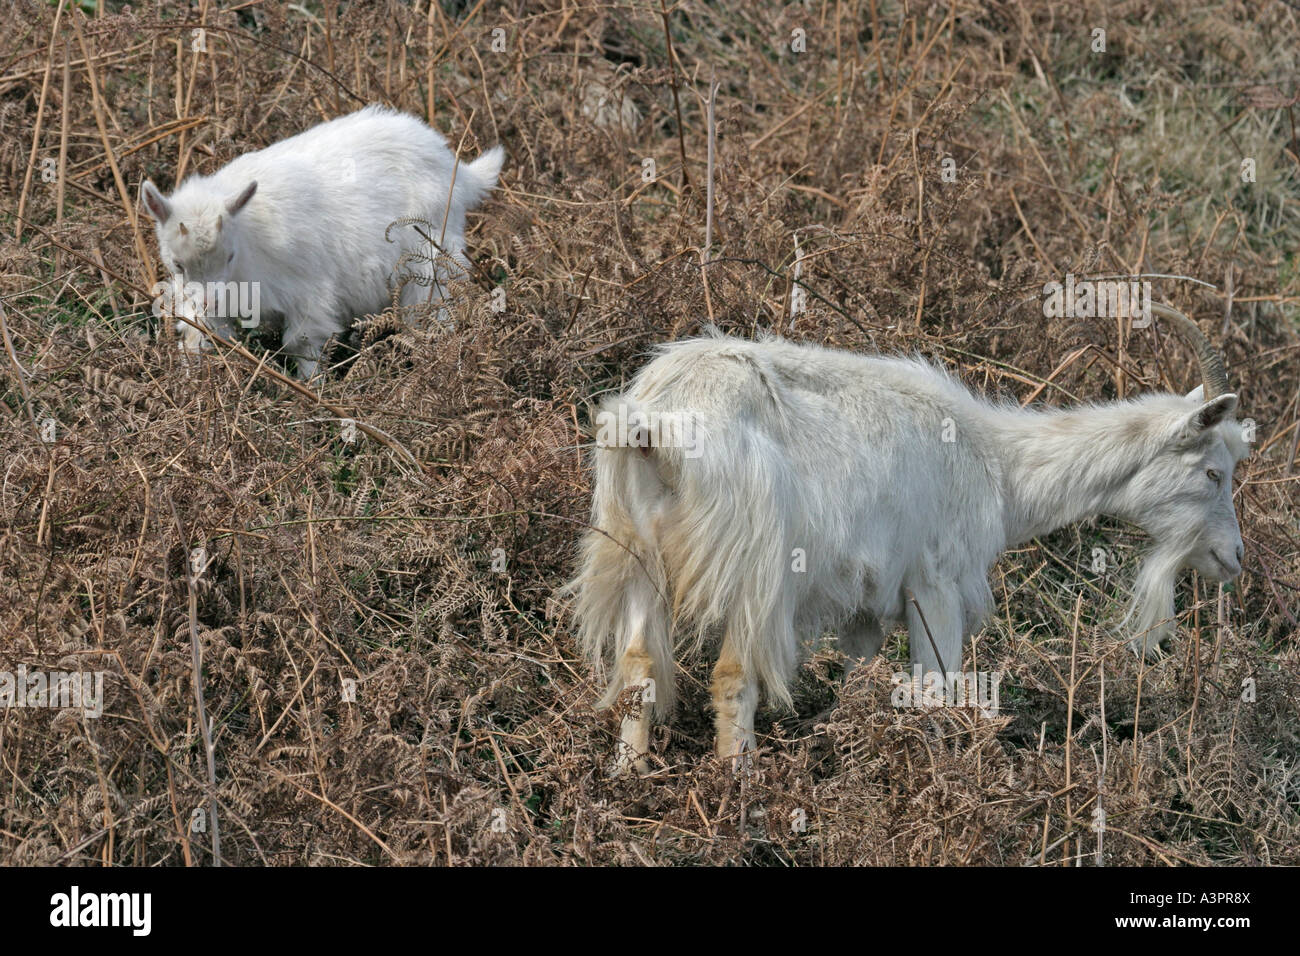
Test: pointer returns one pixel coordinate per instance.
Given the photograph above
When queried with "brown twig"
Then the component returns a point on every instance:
(672, 81)
(196, 662)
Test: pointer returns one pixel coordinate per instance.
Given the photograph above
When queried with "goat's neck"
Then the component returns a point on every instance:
(1060, 467)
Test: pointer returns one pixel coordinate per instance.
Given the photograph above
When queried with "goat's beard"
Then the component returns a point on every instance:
(1150, 618)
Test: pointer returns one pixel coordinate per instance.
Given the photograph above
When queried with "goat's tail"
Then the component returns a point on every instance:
(475, 180)
(620, 589)
(732, 556)
(693, 527)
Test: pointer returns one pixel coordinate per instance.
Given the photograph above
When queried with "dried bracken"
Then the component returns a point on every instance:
(388, 672)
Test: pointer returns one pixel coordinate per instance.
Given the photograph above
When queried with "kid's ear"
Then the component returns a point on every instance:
(239, 202)
(155, 202)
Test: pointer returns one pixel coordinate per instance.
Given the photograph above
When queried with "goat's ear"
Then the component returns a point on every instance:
(155, 202)
(1209, 415)
(239, 202)
(1197, 394)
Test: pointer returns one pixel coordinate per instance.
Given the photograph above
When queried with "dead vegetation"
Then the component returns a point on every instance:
(413, 562)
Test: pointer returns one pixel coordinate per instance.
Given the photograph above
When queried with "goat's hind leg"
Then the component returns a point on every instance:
(735, 699)
(635, 669)
(646, 667)
(861, 637)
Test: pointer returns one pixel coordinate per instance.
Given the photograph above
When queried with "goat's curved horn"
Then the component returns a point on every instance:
(1212, 372)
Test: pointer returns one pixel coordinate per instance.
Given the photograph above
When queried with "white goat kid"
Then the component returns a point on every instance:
(307, 220)
(823, 489)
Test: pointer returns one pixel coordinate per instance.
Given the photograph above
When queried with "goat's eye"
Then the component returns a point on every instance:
(1215, 476)
(230, 258)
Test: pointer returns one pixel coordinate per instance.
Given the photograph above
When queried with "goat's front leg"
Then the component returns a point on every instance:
(934, 628)
(735, 698)
(306, 348)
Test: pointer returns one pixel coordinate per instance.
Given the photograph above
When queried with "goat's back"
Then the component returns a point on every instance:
(865, 468)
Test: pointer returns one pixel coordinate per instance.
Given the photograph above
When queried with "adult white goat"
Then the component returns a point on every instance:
(771, 490)
(306, 222)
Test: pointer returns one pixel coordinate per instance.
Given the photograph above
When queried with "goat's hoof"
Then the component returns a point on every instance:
(1152, 651)
(629, 762)
(740, 758)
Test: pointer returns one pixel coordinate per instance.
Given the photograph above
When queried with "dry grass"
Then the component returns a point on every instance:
(472, 738)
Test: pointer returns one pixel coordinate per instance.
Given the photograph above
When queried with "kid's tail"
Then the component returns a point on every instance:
(479, 178)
